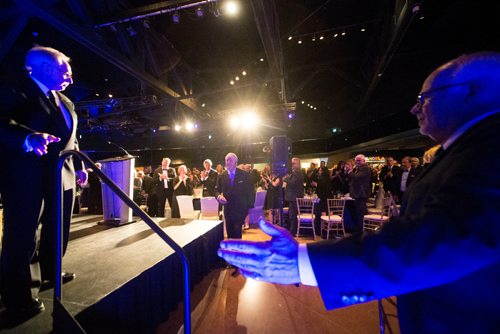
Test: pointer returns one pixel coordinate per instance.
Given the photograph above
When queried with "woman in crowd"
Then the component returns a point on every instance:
(182, 186)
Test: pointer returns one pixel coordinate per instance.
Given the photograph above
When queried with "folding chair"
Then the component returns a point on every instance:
(374, 222)
(305, 216)
(209, 208)
(334, 221)
(186, 208)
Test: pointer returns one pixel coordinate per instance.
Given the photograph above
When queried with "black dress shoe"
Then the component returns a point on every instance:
(66, 277)
(27, 311)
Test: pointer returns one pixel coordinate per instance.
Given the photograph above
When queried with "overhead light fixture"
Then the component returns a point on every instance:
(237, 78)
(343, 33)
(231, 7)
(299, 41)
(321, 37)
(336, 35)
(363, 29)
(261, 59)
(199, 12)
(177, 127)
(231, 82)
(244, 73)
(290, 38)
(189, 126)
(313, 38)
(176, 18)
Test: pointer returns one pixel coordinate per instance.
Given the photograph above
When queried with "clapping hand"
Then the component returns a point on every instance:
(274, 261)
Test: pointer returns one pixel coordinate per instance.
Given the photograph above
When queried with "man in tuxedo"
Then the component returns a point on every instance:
(408, 174)
(441, 256)
(294, 189)
(236, 193)
(164, 179)
(208, 179)
(37, 122)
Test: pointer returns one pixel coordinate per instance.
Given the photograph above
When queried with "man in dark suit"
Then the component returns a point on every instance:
(441, 257)
(164, 180)
(390, 175)
(208, 179)
(359, 190)
(236, 193)
(149, 190)
(408, 174)
(37, 122)
(294, 189)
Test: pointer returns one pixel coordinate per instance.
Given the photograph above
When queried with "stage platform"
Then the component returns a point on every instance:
(128, 280)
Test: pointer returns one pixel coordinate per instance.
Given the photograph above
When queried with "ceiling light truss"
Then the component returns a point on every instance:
(330, 32)
(145, 12)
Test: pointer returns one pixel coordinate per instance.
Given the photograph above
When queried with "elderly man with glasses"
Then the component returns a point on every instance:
(441, 257)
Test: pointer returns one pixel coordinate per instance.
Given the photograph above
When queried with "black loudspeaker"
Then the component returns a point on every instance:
(281, 149)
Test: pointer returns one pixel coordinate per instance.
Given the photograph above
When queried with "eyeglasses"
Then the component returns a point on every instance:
(423, 95)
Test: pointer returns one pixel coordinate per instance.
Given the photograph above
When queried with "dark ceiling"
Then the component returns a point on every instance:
(161, 74)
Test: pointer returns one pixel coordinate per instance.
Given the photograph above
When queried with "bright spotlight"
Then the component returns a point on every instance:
(234, 122)
(249, 119)
(244, 72)
(231, 8)
(189, 126)
(177, 127)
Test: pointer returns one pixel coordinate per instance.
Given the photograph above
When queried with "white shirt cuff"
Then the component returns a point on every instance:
(306, 272)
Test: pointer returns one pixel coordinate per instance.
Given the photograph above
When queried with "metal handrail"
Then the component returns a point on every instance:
(136, 209)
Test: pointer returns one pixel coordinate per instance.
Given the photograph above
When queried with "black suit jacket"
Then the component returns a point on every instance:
(294, 185)
(209, 183)
(359, 182)
(159, 185)
(441, 257)
(391, 183)
(25, 109)
(241, 196)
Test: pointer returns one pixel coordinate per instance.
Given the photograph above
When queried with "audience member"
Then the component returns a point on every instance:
(294, 188)
(164, 177)
(359, 190)
(236, 193)
(149, 192)
(441, 257)
(208, 179)
(182, 186)
(390, 176)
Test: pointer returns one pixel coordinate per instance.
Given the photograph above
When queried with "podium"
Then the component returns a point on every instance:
(121, 171)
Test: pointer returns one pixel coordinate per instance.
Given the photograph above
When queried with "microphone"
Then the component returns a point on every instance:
(121, 148)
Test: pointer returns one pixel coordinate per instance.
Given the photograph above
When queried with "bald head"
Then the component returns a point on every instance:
(457, 92)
